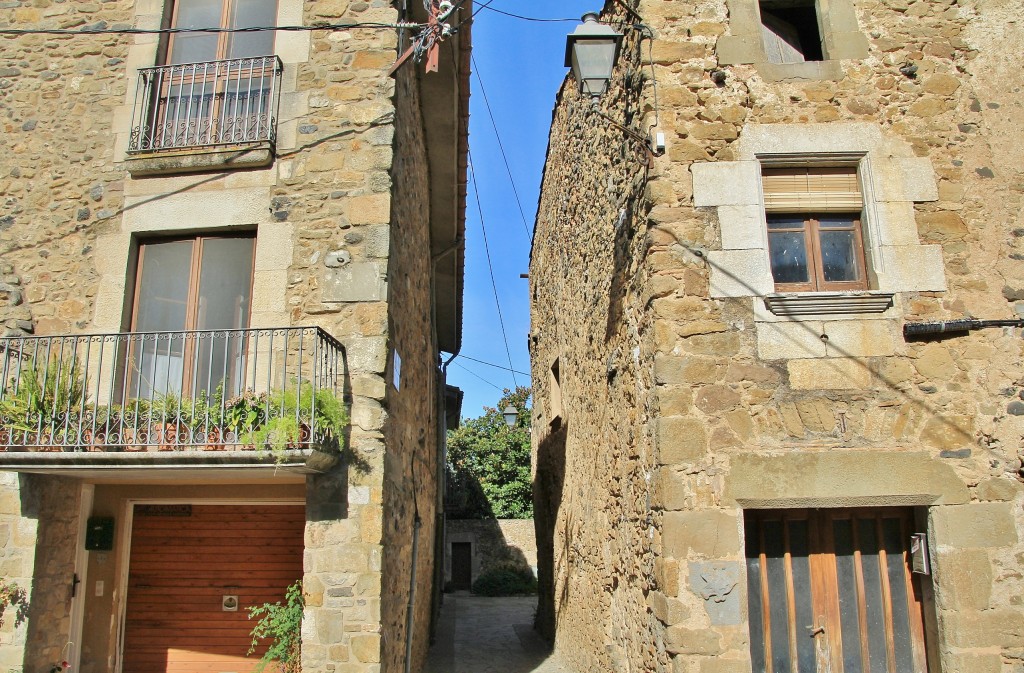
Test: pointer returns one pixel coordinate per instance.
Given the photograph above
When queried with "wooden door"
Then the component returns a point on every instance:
(830, 591)
(462, 566)
(184, 560)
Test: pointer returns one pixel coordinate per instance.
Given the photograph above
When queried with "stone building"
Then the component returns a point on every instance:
(735, 442)
(230, 264)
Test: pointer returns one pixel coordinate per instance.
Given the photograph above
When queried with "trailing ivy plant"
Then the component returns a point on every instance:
(282, 626)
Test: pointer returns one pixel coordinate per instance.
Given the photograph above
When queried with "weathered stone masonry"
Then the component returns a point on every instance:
(685, 401)
(342, 225)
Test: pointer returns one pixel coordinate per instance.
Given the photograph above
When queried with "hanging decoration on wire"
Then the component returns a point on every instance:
(426, 46)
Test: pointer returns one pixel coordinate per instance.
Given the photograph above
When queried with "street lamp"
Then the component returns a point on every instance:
(510, 414)
(591, 51)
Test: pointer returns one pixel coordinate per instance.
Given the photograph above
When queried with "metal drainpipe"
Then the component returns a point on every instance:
(412, 595)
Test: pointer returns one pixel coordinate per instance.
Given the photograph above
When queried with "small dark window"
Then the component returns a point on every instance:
(790, 31)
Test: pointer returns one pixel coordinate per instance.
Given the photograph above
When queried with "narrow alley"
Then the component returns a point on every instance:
(489, 635)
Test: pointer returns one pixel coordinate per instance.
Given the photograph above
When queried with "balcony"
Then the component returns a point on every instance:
(245, 397)
(195, 116)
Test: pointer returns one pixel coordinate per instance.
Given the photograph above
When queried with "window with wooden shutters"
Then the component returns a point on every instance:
(814, 228)
(830, 591)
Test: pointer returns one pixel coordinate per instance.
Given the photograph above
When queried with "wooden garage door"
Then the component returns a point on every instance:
(184, 560)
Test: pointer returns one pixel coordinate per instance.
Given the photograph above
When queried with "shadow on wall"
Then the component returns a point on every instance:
(547, 496)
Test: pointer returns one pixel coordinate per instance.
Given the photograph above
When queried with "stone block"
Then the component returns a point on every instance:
(671, 369)
(742, 227)
(851, 44)
(681, 640)
(903, 179)
(726, 183)
(983, 629)
(366, 647)
(274, 248)
(790, 340)
(722, 665)
(370, 209)
(356, 281)
(1000, 489)
(859, 338)
(949, 432)
(963, 579)
(829, 374)
(681, 440)
(843, 479)
(740, 273)
(935, 362)
(971, 662)
(367, 355)
(710, 533)
(670, 611)
(895, 223)
(977, 525)
(197, 210)
(812, 139)
(716, 582)
(737, 49)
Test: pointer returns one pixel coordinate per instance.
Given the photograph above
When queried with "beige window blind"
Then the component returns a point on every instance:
(822, 190)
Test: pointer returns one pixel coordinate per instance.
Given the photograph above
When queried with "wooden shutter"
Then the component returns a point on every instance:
(820, 190)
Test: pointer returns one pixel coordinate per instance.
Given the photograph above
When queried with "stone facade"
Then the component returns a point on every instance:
(345, 217)
(677, 393)
(492, 541)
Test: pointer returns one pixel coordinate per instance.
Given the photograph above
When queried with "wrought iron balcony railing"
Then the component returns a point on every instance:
(173, 391)
(195, 105)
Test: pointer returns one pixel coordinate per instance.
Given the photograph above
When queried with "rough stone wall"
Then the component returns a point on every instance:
(865, 417)
(595, 547)
(39, 529)
(410, 466)
(493, 541)
(322, 214)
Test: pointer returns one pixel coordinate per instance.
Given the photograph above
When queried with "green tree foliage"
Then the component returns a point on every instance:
(489, 463)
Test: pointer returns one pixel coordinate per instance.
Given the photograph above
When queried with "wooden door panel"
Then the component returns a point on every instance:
(181, 567)
(830, 591)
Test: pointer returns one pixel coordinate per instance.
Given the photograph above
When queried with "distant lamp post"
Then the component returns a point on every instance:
(591, 51)
(511, 414)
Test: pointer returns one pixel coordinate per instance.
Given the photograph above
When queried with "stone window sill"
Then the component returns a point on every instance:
(192, 160)
(828, 303)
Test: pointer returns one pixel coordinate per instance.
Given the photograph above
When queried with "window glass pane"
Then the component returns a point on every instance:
(785, 222)
(894, 538)
(839, 256)
(755, 604)
(247, 14)
(225, 283)
(837, 221)
(788, 253)
(157, 365)
(195, 47)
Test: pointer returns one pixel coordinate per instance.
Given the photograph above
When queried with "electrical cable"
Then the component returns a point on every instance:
(479, 377)
(491, 364)
(490, 265)
(528, 18)
(501, 148)
(169, 31)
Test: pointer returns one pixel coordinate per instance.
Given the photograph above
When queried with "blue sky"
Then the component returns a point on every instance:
(521, 66)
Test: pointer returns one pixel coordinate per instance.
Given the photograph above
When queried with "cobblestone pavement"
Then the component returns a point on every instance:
(489, 635)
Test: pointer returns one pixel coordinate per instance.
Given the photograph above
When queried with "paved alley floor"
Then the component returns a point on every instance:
(489, 635)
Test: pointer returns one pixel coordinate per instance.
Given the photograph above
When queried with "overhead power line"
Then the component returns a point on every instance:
(501, 148)
(490, 265)
(493, 385)
(102, 29)
(491, 364)
(527, 18)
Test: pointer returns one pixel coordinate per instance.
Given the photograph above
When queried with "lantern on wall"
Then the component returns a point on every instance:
(591, 51)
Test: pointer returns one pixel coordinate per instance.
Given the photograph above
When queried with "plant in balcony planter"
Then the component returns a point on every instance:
(41, 399)
(291, 420)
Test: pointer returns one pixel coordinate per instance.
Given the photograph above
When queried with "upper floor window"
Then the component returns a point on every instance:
(197, 47)
(789, 29)
(214, 89)
(814, 229)
(197, 291)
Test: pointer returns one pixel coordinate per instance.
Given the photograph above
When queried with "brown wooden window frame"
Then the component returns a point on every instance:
(811, 231)
(821, 644)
